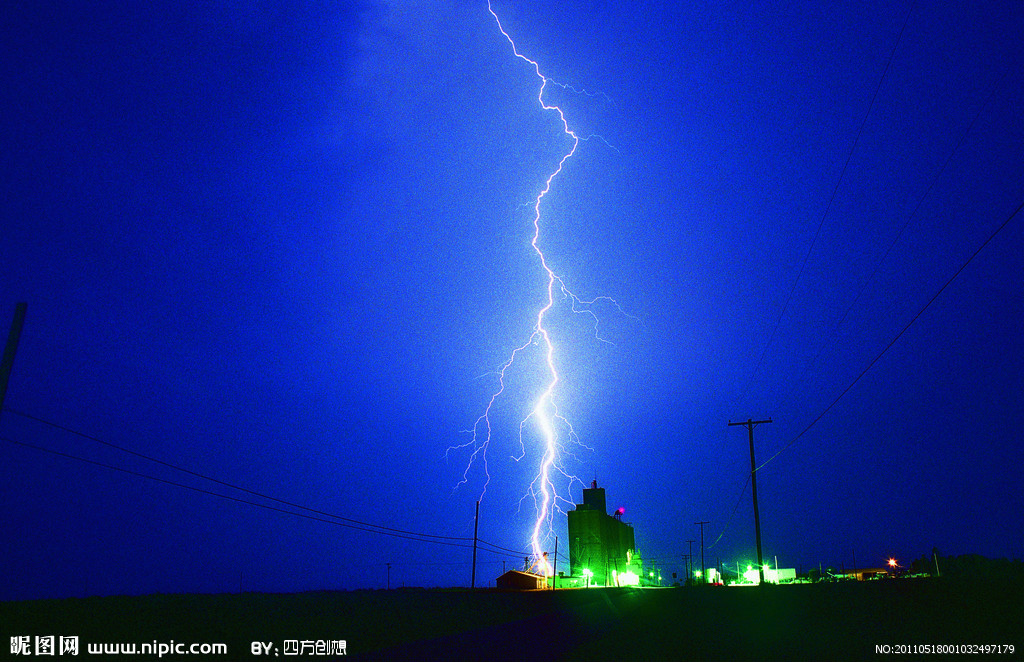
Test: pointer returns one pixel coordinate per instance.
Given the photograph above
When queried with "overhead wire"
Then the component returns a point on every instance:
(225, 483)
(897, 337)
(345, 521)
(725, 528)
(906, 223)
(431, 539)
(828, 207)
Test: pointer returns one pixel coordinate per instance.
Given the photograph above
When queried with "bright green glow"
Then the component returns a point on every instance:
(627, 579)
(749, 568)
(696, 573)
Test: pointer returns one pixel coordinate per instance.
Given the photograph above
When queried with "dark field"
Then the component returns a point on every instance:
(816, 622)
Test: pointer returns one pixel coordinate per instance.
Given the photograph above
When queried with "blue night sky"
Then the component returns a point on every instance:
(287, 247)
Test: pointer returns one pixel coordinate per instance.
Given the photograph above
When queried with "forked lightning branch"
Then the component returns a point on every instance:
(545, 434)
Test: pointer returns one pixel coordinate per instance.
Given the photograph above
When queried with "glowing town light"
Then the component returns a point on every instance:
(893, 563)
(587, 575)
(553, 429)
(628, 578)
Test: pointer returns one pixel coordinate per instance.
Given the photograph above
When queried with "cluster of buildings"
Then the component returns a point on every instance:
(602, 551)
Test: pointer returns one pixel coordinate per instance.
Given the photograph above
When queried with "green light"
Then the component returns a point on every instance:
(696, 573)
(628, 578)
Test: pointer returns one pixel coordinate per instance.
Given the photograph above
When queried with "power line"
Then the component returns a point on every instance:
(427, 538)
(503, 549)
(356, 524)
(734, 509)
(832, 198)
(898, 335)
(225, 483)
(913, 214)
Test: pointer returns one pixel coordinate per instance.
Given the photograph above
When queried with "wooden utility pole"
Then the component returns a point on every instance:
(703, 570)
(554, 566)
(750, 423)
(476, 527)
(690, 557)
(11, 349)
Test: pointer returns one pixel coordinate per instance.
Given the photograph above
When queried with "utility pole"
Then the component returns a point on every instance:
(703, 570)
(690, 557)
(750, 423)
(476, 526)
(389, 575)
(12, 348)
(554, 565)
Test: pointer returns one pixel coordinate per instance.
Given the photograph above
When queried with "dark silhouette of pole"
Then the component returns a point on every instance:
(476, 526)
(703, 570)
(690, 557)
(750, 423)
(11, 349)
(554, 565)
(389, 575)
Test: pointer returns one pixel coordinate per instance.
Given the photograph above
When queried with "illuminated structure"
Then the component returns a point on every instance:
(520, 581)
(771, 575)
(602, 548)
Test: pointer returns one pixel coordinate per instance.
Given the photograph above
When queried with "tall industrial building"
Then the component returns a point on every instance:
(602, 548)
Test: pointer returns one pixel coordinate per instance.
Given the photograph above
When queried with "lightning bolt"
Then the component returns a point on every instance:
(545, 413)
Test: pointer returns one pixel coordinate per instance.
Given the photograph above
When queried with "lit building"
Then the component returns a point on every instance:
(520, 581)
(602, 548)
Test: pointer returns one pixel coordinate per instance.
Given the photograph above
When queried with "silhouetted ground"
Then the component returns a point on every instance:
(815, 622)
